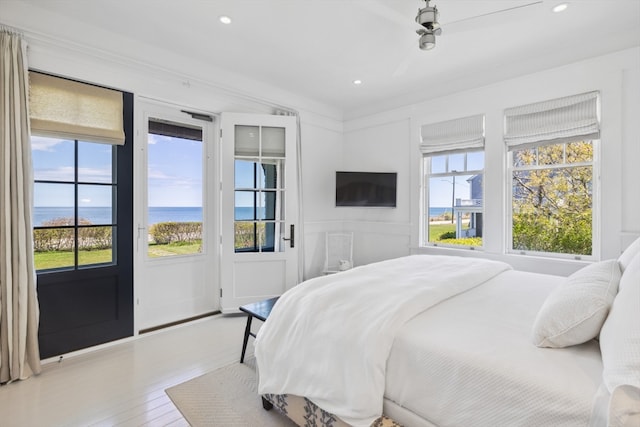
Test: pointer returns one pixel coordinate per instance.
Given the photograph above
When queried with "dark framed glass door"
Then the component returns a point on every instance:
(83, 239)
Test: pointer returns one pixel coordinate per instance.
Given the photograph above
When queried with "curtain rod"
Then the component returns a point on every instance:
(11, 30)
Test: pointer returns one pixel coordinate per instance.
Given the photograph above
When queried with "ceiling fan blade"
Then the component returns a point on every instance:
(406, 62)
(383, 10)
(491, 19)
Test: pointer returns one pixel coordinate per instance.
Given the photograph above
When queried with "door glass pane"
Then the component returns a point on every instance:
(53, 159)
(244, 174)
(266, 236)
(257, 187)
(269, 203)
(59, 175)
(95, 245)
(174, 188)
(245, 205)
(53, 248)
(273, 142)
(94, 204)
(247, 141)
(267, 175)
(95, 162)
(245, 237)
(53, 204)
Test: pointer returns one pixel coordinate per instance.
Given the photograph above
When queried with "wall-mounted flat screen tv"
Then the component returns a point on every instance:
(366, 189)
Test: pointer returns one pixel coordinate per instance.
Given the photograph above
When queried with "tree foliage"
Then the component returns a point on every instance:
(552, 198)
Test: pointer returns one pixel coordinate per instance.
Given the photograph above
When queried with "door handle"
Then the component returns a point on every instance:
(291, 238)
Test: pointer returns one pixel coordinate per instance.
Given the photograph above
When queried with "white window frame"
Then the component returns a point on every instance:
(427, 175)
(595, 203)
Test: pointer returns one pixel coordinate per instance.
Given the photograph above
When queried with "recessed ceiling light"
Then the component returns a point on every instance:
(357, 82)
(225, 19)
(560, 7)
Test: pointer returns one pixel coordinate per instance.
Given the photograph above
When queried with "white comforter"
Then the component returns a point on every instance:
(329, 338)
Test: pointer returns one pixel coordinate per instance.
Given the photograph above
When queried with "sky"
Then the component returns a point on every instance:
(174, 172)
(440, 187)
(440, 190)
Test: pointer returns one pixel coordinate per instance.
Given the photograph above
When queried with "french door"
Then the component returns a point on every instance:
(83, 205)
(177, 254)
(259, 208)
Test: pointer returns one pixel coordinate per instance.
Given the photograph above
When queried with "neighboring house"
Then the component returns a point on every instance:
(473, 207)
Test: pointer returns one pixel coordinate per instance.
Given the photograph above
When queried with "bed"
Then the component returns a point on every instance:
(435, 340)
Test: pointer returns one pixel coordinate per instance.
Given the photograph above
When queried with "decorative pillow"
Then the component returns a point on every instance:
(620, 336)
(632, 250)
(574, 312)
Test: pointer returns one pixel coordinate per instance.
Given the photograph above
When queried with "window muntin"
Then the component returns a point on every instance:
(454, 199)
(551, 207)
(74, 211)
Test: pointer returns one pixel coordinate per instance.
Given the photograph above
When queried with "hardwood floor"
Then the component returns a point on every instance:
(123, 385)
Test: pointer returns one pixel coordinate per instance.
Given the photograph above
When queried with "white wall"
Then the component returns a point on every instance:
(384, 141)
(200, 90)
(389, 141)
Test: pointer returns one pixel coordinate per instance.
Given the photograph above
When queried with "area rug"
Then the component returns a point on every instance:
(226, 397)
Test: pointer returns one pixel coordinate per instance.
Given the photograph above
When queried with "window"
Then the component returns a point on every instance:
(552, 198)
(259, 162)
(453, 188)
(175, 159)
(551, 167)
(76, 129)
(82, 145)
(454, 185)
(74, 210)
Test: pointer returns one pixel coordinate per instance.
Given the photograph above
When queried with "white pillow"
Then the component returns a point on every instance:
(574, 312)
(620, 335)
(632, 250)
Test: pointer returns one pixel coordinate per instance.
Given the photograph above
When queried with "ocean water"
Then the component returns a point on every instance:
(102, 215)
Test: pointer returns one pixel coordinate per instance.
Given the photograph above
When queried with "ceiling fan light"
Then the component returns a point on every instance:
(427, 41)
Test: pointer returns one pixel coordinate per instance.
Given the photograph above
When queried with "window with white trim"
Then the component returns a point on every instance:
(453, 164)
(552, 171)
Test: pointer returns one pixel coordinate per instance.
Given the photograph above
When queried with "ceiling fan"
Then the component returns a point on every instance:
(427, 17)
(429, 25)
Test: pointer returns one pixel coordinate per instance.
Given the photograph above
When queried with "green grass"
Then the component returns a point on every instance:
(178, 248)
(61, 259)
(437, 230)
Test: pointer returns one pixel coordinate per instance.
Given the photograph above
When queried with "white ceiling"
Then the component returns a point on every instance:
(316, 48)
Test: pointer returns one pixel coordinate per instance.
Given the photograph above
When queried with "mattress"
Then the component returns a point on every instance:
(469, 361)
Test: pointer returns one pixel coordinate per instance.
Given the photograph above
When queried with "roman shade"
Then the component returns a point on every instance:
(456, 135)
(558, 120)
(68, 109)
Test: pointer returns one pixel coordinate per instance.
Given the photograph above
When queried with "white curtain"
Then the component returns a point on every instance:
(19, 352)
(300, 230)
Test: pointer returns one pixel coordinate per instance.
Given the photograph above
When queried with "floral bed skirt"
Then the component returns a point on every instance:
(305, 413)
